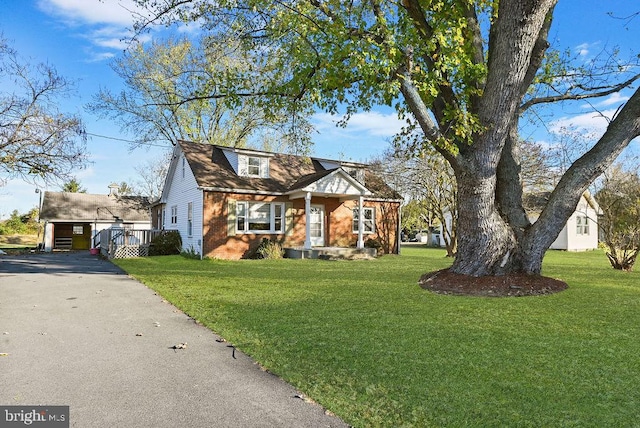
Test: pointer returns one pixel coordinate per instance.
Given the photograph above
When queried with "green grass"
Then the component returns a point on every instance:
(362, 339)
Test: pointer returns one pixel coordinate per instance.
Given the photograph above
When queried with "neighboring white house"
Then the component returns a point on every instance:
(72, 221)
(580, 233)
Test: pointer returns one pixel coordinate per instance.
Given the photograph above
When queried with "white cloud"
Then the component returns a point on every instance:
(614, 99)
(592, 122)
(105, 24)
(79, 12)
(584, 49)
(369, 123)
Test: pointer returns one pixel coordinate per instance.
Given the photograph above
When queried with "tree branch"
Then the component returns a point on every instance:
(571, 96)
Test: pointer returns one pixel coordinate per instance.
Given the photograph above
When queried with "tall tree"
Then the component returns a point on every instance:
(462, 72)
(73, 186)
(37, 140)
(163, 100)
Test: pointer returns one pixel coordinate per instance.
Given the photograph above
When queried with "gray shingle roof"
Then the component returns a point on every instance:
(90, 207)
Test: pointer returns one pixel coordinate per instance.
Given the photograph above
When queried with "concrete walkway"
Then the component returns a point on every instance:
(77, 331)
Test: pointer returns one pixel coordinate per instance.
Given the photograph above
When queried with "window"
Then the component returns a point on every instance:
(190, 219)
(582, 225)
(174, 214)
(78, 229)
(253, 166)
(184, 167)
(259, 217)
(368, 222)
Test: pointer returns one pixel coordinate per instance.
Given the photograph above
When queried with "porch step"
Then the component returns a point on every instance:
(331, 253)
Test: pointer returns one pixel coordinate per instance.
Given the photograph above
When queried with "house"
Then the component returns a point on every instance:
(224, 201)
(580, 233)
(72, 221)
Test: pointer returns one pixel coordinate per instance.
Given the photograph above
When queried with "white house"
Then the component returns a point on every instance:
(580, 233)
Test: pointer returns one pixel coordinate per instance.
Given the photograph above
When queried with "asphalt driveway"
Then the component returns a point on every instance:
(76, 331)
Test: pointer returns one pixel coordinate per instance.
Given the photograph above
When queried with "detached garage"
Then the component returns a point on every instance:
(72, 221)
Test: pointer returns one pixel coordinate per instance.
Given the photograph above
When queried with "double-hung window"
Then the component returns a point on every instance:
(259, 217)
(174, 214)
(368, 221)
(253, 166)
(190, 219)
(582, 225)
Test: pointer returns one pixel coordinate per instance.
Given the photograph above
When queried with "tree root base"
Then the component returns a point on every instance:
(510, 285)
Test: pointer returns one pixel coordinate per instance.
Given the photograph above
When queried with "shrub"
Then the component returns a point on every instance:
(190, 253)
(269, 250)
(373, 243)
(168, 242)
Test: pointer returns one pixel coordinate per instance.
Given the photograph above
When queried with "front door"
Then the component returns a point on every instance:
(316, 224)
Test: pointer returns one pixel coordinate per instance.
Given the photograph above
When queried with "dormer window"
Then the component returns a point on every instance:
(253, 166)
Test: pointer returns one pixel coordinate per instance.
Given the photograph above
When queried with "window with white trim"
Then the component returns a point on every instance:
(582, 225)
(190, 219)
(369, 221)
(253, 166)
(259, 217)
(174, 214)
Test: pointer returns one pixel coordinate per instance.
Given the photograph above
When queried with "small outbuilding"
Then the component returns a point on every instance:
(73, 221)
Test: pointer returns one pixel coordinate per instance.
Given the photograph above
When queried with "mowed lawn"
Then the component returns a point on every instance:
(364, 340)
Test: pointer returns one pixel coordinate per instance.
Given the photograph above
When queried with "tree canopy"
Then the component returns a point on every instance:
(461, 73)
(37, 140)
(165, 81)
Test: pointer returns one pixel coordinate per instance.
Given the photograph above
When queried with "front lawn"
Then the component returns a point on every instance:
(362, 339)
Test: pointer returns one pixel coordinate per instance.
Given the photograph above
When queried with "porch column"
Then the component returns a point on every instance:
(307, 216)
(360, 243)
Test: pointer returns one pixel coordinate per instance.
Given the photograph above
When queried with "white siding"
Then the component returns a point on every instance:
(232, 157)
(333, 184)
(181, 192)
(581, 242)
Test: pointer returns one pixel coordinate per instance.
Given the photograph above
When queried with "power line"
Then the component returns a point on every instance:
(126, 141)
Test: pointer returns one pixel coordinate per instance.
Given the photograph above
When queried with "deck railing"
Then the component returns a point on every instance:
(123, 243)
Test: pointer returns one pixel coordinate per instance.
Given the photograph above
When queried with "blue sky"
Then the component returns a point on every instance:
(80, 37)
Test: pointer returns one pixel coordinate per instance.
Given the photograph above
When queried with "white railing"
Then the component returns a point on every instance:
(115, 241)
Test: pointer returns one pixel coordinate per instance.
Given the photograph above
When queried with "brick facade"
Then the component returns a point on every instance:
(221, 240)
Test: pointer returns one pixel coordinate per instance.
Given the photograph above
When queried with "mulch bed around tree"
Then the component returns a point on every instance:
(516, 285)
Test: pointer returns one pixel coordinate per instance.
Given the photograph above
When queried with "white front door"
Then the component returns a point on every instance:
(316, 223)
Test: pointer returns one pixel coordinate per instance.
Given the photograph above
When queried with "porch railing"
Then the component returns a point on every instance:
(125, 243)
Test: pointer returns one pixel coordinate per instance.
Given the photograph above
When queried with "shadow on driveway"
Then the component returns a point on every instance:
(57, 263)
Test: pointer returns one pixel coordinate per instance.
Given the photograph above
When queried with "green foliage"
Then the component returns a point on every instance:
(364, 341)
(269, 249)
(190, 253)
(184, 89)
(168, 242)
(73, 186)
(26, 224)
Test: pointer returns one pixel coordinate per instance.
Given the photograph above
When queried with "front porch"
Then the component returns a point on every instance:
(330, 253)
